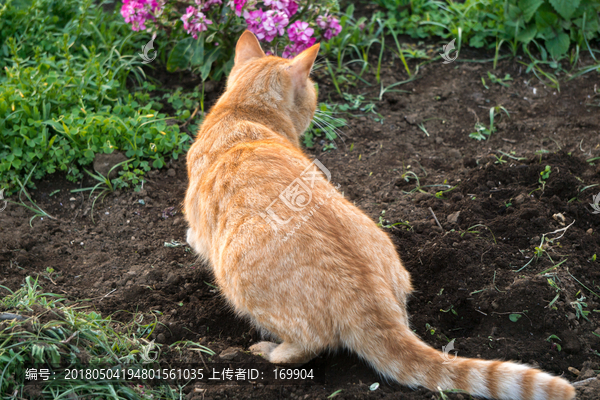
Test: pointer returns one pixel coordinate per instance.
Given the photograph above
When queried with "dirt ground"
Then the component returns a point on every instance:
(468, 274)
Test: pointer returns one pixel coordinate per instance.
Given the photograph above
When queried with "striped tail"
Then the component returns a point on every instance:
(397, 353)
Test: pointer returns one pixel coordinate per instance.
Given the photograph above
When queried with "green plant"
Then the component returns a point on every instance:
(31, 205)
(578, 305)
(63, 95)
(387, 225)
(104, 184)
(471, 229)
(500, 160)
(559, 24)
(547, 244)
(440, 194)
(544, 175)
(451, 309)
(351, 47)
(67, 337)
(514, 317)
(324, 125)
(483, 132)
(500, 81)
(554, 344)
(202, 35)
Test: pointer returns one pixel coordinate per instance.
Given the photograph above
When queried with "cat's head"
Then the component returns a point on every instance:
(270, 81)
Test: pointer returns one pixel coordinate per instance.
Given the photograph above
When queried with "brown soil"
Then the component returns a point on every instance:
(465, 273)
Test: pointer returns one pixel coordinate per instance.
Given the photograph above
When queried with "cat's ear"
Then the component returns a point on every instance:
(247, 47)
(302, 65)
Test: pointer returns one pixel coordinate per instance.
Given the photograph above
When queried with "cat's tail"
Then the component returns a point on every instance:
(397, 353)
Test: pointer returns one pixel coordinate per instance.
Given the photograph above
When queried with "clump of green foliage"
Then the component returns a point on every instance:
(44, 330)
(63, 94)
(559, 24)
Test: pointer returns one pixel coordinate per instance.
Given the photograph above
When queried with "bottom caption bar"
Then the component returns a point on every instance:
(209, 373)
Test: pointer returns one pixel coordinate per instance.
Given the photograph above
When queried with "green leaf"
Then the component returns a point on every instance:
(514, 317)
(181, 55)
(208, 61)
(529, 7)
(565, 8)
(558, 45)
(526, 35)
(545, 19)
(198, 56)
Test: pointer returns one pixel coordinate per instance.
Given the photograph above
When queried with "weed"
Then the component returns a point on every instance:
(511, 155)
(325, 126)
(578, 305)
(554, 344)
(355, 42)
(544, 175)
(547, 244)
(472, 230)
(500, 81)
(67, 334)
(386, 224)
(104, 184)
(422, 127)
(31, 205)
(551, 281)
(451, 309)
(499, 160)
(483, 132)
(514, 317)
(440, 194)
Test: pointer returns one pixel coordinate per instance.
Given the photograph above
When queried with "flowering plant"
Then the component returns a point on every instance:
(204, 32)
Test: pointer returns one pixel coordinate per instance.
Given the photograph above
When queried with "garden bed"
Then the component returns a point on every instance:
(134, 257)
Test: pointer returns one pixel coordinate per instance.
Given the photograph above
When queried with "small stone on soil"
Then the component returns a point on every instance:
(229, 353)
(453, 218)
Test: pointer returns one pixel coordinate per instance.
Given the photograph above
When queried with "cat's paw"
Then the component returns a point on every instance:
(263, 349)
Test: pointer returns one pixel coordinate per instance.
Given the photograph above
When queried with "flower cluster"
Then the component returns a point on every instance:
(300, 34)
(194, 21)
(272, 21)
(266, 25)
(237, 6)
(330, 25)
(137, 12)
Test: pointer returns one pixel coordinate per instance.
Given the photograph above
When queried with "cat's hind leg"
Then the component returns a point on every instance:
(284, 353)
(198, 244)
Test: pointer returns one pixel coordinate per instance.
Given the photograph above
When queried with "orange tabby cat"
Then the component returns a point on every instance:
(296, 258)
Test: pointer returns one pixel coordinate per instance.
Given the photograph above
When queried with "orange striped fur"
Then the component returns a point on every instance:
(337, 281)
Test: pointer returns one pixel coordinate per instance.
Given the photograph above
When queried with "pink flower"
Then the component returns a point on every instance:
(296, 48)
(194, 21)
(237, 6)
(330, 25)
(277, 4)
(266, 25)
(300, 32)
(274, 23)
(254, 20)
(137, 12)
(292, 8)
(322, 21)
